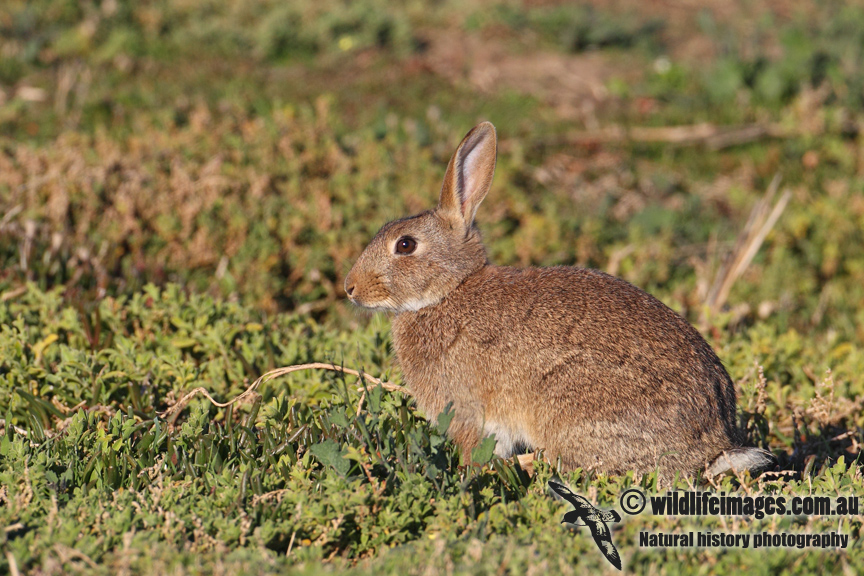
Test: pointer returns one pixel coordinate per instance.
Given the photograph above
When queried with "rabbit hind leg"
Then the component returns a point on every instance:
(508, 440)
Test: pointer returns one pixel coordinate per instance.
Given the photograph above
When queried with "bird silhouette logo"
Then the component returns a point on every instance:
(585, 514)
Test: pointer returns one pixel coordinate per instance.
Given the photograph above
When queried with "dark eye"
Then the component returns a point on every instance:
(406, 245)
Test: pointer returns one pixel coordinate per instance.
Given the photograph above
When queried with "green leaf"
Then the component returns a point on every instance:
(184, 342)
(444, 419)
(374, 399)
(330, 454)
(483, 453)
(339, 419)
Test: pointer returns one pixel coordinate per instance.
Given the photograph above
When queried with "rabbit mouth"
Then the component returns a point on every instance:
(371, 294)
(377, 295)
(385, 304)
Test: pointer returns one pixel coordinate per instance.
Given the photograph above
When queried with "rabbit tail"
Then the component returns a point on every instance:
(737, 460)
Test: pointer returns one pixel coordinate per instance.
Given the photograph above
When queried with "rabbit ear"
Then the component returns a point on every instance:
(469, 174)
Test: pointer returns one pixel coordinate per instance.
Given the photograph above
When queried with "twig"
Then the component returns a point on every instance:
(291, 543)
(12, 294)
(277, 494)
(844, 435)
(11, 214)
(710, 135)
(735, 136)
(66, 409)
(13, 566)
(389, 386)
(762, 219)
(20, 431)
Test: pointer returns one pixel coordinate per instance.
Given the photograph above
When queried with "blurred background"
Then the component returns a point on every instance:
(185, 184)
(250, 149)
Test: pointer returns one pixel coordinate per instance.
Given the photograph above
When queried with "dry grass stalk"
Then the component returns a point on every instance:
(762, 219)
(13, 565)
(822, 407)
(710, 135)
(761, 395)
(389, 386)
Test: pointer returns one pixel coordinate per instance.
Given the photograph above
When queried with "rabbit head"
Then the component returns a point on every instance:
(415, 262)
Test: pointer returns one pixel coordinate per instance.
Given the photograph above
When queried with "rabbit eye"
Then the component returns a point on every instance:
(406, 245)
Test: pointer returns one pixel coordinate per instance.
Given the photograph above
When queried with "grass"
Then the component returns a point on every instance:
(92, 468)
(183, 189)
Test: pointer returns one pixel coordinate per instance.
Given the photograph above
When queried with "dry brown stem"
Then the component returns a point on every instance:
(389, 386)
(762, 219)
(709, 135)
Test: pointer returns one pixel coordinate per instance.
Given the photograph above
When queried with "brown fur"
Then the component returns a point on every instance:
(576, 362)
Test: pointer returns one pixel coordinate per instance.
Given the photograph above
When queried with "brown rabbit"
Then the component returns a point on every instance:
(576, 362)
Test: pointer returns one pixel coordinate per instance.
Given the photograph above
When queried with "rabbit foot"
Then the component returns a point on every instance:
(526, 462)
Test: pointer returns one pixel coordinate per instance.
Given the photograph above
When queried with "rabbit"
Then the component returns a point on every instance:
(578, 363)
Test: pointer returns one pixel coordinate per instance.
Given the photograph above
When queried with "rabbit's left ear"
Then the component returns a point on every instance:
(469, 174)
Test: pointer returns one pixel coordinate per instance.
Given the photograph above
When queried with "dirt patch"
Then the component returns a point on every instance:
(571, 84)
(499, 59)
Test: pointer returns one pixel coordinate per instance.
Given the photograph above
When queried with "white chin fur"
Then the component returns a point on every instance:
(407, 306)
(415, 305)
